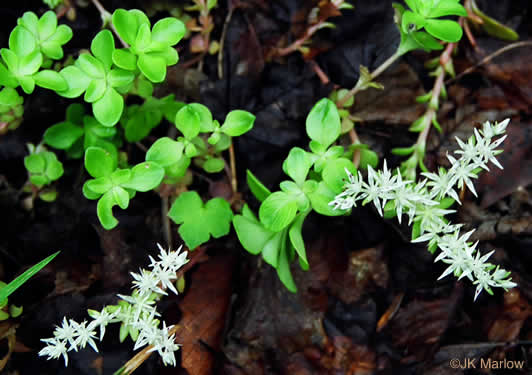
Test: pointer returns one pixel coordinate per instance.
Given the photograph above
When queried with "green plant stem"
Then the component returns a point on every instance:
(432, 109)
(106, 18)
(358, 87)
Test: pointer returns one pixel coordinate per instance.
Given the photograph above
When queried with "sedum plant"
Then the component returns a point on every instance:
(136, 313)
(425, 204)
(114, 186)
(43, 166)
(315, 179)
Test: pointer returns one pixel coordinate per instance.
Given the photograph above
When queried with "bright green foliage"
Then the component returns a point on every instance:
(52, 3)
(199, 221)
(11, 108)
(31, 46)
(95, 75)
(193, 120)
(139, 120)
(151, 51)
(7, 290)
(277, 234)
(80, 132)
(420, 27)
(113, 186)
(43, 166)
(48, 36)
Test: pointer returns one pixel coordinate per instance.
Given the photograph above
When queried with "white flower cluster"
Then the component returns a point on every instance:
(137, 313)
(422, 203)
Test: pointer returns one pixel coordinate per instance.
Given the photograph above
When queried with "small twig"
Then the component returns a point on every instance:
(232, 162)
(525, 43)
(222, 40)
(355, 140)
(319, 72)
(105, 18)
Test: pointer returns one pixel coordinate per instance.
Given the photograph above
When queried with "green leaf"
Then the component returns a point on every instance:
(251, 233)
(188, 121)
(283, 270)
(125, 59)
(277, 211)
(260, 191)
(27, 84)
(446, 30)
(237, 123)
(21, 41)
(214, 165)
(143, 39)
(296, 239)
(91, 66)
(30, 21)
(120, 176)
(30, 63)
(447, 8)
(7, 290)
(165, 152)
(297, 165)
(119, 77)
(102, 47)
(218, 216)
(145, 176)
(95, 90)
(62, 135)
(270, 252)
(168, 31)
(35, 163)
(205, 116)
(47, 25)
(126, 25)
(154, 68)
(104, 210)
(54, 168)
(321, 198)
(99, 162)
(100, 185)
(323, 123)
(76, 80)
(199, 222)
(121, 197)
(412, 21)
(334, 174)
(109, 107)
(368, 157)
(425, 41)
(50, 79)
(88, 193)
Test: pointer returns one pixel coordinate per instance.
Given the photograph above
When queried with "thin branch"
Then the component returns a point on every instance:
(525, 43)
(106, 18)
(222, 40)
(232, 162)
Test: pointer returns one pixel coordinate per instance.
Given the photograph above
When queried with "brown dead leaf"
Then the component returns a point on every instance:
(517, 162)
(365, 269)
(419, 325)
(204, 310)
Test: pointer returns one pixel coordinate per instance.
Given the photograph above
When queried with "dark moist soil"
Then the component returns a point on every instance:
(370, 302)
